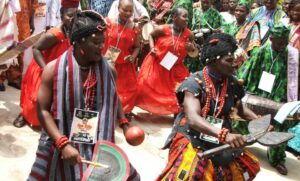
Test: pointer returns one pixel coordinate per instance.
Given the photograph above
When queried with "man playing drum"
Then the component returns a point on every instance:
(80, 82)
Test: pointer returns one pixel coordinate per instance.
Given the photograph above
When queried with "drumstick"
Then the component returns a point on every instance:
(96, 164)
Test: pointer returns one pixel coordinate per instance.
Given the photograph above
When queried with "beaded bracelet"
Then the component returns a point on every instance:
(123, 121)
(61, 142)
(222, 135)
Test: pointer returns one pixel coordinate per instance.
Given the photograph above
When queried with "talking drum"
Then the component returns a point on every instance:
(194, 53)
(146, 30)
(115, 160)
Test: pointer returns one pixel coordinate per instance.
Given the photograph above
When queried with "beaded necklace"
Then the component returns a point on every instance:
(89, 89)
(211, 93)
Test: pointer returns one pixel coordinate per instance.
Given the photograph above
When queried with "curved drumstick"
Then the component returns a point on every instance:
(95, 164)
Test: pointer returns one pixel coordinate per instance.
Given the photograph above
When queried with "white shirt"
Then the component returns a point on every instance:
(138, 10)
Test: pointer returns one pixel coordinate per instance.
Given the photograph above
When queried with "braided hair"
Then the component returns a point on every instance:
(86, 23)
(216, 46)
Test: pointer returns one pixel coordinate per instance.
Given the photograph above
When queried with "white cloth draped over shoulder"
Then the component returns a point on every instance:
(7, 26)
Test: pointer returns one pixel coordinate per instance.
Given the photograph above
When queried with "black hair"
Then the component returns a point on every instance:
(176, 11)
(121, 1)
(295, 2)
(216, 46)
(85, 23)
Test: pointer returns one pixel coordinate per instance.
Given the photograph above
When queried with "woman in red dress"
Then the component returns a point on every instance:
(157, 84)
(50, 46)
(123, 40)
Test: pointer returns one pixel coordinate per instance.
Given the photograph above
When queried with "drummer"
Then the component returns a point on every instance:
(88, 89)
(207, 97)
(276, 62)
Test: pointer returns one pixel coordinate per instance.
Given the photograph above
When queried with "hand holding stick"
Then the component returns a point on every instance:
(95, 164)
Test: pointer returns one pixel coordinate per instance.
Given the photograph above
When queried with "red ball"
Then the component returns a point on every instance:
(135, 136)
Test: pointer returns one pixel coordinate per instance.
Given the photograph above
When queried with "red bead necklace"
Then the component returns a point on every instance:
(211, 92)
(89, 89)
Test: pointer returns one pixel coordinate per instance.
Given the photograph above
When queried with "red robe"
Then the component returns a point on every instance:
(32, 78)
(156, 84)
(126, 72)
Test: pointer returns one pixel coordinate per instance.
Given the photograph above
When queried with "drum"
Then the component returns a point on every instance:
(194, 53)
(109, 154)
(261, 105)
(15, 50)
(146, 30)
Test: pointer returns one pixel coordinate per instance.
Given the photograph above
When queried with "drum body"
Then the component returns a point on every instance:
(261, 105)
(109, 154)
(146, 30)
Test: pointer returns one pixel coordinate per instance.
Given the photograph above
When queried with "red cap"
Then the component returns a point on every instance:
(70, 3)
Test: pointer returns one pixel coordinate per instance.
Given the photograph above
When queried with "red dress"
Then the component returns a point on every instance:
(157, 85)
(32, 78)
(126, 72)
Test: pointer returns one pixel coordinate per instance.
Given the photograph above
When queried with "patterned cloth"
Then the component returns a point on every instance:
(295, 142)
(260, 61)
(183, 163)
(14, 73)
(279, 31)
(188, 5)
(67, 95)
(267, 19)
(6, 33)
(101, 6)
(295, 36)
(210, 19)
(246, 35)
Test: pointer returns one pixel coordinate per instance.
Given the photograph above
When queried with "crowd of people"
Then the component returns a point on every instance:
(94, 56)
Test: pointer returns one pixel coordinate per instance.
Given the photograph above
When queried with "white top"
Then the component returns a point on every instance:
(138, 10)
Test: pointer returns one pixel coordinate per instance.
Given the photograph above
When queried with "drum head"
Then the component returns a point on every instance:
(109, 154)
(146, 30)
(194, 53)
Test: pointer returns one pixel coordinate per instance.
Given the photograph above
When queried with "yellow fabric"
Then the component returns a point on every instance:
(208, 176)
(236, 172)
(190, 160)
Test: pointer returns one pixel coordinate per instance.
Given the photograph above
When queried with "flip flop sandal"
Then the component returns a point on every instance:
(281, 169)
(19, 122)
